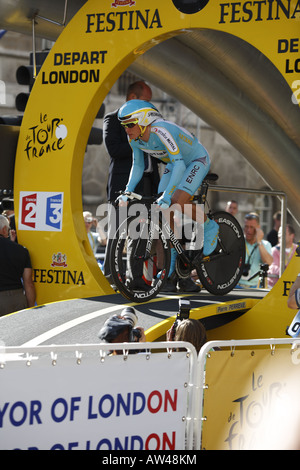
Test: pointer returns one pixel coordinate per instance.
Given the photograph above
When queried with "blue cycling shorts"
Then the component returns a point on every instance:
(194, 175)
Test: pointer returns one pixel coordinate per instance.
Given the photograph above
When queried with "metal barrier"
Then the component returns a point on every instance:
(242, 385)
(82, 397)
(283, 198)
(164, 398)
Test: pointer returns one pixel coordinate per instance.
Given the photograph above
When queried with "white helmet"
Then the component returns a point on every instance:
(141, 111)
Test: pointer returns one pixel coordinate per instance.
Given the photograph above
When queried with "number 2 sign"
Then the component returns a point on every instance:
(41, 211)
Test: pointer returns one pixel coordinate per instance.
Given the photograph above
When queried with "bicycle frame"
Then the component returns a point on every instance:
(182, 253)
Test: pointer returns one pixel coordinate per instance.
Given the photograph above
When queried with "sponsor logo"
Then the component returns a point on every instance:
(130, 20)
(58, 275)
(221, 220)
(192, 174)
(167, 139)
(59, 260)
(40, 211)
(232, 12)
(123, 3)
(45, 137)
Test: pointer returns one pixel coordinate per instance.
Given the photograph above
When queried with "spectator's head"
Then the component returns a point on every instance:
(120, 328)
(192, 331)
(88, 220)
(232, 207)
(7, 204)
(277, 220)
(115, 330)
(139, 91)
(4, 226)
(289, 235)
(250, 226)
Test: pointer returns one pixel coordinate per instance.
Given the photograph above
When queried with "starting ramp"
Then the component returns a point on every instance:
(246, 314)
(242, 314)
(78, 321)
(175, 388)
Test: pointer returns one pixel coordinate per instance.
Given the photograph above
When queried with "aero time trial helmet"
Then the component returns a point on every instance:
(143, 112)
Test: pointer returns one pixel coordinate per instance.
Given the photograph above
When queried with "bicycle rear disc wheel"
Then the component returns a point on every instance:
(222, 272)
(139, 274)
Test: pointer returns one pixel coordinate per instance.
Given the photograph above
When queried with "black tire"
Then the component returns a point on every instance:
(223, 271)
(136, 277)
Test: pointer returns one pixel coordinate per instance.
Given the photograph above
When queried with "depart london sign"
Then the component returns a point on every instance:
(93, 50)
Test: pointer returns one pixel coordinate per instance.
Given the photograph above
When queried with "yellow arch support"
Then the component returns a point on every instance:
(98, 44)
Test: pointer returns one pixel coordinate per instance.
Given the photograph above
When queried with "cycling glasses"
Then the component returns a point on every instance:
(129, 124)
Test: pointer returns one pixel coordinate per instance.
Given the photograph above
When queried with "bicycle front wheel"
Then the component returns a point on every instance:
(224, 267)
(140, 257)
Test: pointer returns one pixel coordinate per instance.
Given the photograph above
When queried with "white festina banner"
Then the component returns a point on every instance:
(57, 401)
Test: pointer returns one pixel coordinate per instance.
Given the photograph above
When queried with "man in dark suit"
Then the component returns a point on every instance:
(116, 143)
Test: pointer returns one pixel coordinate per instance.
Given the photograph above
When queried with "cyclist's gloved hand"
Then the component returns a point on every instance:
(163, 202)
(121, 199)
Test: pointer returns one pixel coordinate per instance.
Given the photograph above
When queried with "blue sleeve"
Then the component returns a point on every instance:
(165, 178)
(137, 169)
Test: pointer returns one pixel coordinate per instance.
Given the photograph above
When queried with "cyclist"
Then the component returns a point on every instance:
(187, 162)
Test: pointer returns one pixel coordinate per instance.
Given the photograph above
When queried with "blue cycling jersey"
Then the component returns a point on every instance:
(187, 160)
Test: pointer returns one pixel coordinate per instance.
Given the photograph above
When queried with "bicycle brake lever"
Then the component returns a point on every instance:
(132, 195)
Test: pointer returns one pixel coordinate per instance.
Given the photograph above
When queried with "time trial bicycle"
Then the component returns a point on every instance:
(140, 252)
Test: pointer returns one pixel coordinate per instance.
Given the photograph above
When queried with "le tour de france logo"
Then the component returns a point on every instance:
(45, 137)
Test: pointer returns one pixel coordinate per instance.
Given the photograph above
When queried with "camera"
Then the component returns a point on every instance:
(184, 309)
(130, 315)
(246, 269)
(182, 314)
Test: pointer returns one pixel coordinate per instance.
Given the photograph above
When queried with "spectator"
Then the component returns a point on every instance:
(232, 207)
(122, 329)
(258, 251)
(192, 331)
(89, 221)
(7, 208)
(117, 145)
(17, 289)
(272, 236)
(290, 248)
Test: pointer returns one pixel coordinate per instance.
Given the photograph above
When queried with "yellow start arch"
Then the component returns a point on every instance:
(98, 44)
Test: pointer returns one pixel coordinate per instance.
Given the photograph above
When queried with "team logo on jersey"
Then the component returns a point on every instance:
(122, 3)
(193, 173)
